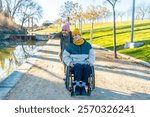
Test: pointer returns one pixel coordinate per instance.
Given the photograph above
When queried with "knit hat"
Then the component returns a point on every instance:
(76, 32)
(78, 41)
(66, 27)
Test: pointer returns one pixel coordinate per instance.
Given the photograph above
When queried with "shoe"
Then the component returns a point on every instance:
(83, 91)
(77, 90)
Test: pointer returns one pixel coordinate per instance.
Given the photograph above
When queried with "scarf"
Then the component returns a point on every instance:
(78, 42)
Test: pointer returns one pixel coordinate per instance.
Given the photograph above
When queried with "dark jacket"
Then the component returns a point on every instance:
(62, 39)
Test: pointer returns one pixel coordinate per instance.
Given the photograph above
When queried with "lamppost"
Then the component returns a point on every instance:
(132, 44)
(132, 26)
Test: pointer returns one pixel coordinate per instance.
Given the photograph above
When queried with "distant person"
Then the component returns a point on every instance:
(79, 55)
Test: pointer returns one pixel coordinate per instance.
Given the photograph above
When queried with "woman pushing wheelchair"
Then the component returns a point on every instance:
(79, 55)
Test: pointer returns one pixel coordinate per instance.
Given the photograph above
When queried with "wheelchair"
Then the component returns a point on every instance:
(70, 84)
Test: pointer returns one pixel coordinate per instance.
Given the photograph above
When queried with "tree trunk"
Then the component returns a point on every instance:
(22, 23)
(32, 22)
(28, 22)
(114, 31)
(1, 6)
(75, 24)
(68, 20)
(79, 23)
(81, 26)
(91, 33)
(143, 17)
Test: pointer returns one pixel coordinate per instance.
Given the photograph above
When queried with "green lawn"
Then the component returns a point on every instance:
(103, 36)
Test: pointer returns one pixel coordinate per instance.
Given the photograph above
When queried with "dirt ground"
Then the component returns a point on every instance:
(120, 79)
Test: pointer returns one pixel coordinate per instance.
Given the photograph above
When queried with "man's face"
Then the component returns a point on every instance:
(65, 33)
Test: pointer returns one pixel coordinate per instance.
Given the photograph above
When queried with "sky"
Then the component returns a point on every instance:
(51, 8)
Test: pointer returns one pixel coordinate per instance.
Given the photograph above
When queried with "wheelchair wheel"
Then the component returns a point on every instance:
(91, 83)
(68, 81)
(89, 90)
(90, 86)
(93, 79)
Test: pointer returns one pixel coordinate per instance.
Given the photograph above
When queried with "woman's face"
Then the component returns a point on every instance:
(65, 33)
(76, 37)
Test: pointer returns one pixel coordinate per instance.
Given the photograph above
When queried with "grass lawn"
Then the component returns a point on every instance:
(103, 36)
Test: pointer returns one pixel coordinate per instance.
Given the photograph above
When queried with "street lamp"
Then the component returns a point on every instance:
(132, 26)
(132, 44)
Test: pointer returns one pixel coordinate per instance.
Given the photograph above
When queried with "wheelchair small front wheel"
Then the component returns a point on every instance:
(89, 91)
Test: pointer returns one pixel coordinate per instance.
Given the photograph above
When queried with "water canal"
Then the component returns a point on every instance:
(14, 54)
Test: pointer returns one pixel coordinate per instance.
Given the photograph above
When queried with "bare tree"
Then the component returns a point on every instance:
(13, 6)
(92, 14)
(120, 14)
(67, 9)
(106, 13)
(103, 12)
(58, 23)
(30, 10)
(148, 13)
(85, 17)
(22, 9)
(142, 10)
(129, 13)
(1, 5)
(113, 4)
(77, 15)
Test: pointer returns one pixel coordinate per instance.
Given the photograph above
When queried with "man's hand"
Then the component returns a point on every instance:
(71, 64)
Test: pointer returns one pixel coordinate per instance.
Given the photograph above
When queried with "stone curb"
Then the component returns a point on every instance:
(147, 64)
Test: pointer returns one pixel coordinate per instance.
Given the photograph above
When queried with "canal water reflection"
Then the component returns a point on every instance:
(13, 56)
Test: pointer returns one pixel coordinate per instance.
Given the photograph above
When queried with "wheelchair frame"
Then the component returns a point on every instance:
(69, 81)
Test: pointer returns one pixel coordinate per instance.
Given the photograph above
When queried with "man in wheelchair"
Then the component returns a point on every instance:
(79, 55)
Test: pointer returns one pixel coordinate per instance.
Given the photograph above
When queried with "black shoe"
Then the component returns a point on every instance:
(77, 90)
(83, 91)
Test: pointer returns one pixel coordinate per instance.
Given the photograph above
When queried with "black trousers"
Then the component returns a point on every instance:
(82, 72)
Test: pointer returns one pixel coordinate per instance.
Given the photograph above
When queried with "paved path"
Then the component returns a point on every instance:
(115, 79)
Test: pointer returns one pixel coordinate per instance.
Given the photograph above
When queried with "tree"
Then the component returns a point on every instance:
(22, 10)
(1, 5)
(77, 15)
(66, 10)
(58, 23)
(30, 10)
(113, 4)
(13, 6)
(148, 12)
(120, 14)
(92, 14)
(142, 9)
(103, 12)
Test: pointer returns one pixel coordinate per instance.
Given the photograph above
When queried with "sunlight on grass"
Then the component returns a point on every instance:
(103, 36)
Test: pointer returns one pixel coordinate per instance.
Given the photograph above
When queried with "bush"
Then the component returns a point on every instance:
(7, 22)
